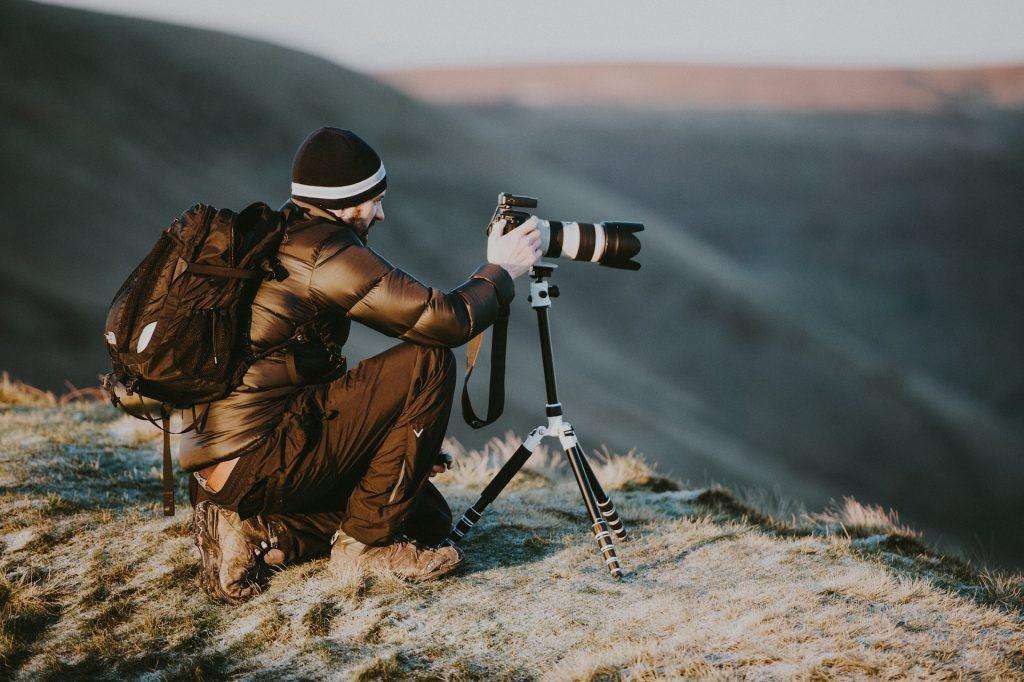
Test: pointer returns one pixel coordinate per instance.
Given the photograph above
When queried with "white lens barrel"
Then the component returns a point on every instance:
(570, 240)
(599, 242)
(578, 241)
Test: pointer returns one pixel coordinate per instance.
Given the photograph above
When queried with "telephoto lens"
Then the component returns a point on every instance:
(612, 244)
(609, 243)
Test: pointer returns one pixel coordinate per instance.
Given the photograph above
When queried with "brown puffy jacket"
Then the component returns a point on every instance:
(333, 276)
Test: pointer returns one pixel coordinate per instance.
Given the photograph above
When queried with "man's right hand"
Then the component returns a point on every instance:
(516, 251)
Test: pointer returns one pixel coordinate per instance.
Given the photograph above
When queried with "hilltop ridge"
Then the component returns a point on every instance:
(94, 583)
(682, 86)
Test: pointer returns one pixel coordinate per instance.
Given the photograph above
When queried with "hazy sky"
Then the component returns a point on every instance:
(386, 34)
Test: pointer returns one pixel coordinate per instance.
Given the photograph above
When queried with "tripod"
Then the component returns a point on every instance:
(604, 519)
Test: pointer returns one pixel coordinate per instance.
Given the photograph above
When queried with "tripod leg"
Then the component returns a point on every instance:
(494, 488)
(601, 533)
(604, 503)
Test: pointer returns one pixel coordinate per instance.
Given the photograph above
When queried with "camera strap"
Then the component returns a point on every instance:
(496, 391)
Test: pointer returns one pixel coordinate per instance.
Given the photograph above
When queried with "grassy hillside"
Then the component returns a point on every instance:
(901, 228)
(111, 126)
(94, 584)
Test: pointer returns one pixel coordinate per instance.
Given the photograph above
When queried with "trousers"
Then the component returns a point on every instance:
(356, 452)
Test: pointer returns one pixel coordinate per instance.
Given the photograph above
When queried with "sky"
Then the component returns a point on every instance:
(392, 34)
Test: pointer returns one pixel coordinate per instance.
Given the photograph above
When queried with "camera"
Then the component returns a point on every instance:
(612, 244)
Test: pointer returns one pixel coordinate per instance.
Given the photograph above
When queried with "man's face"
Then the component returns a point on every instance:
(363, 216)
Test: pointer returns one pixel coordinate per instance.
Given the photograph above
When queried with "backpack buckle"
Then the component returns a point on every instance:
(107, 382)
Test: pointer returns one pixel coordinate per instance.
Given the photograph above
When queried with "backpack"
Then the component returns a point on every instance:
(177, 330)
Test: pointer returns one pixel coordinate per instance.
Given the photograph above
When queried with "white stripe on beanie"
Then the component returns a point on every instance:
(343, 192)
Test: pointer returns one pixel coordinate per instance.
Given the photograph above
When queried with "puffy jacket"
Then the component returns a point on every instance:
(335, 277)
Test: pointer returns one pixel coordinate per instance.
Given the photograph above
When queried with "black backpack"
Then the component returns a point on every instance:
(178, 329)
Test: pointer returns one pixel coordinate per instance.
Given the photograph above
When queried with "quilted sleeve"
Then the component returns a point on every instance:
(353, 278)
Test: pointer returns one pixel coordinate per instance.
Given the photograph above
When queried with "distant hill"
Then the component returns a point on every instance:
(699, 86)
(111, 126)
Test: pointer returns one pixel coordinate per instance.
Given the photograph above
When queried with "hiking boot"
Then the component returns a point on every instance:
(405, 558)
(236, 555)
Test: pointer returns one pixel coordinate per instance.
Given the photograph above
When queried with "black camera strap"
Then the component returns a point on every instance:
(496, 392)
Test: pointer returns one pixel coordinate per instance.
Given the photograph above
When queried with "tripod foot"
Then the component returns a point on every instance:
(588, 489)
(467, 521)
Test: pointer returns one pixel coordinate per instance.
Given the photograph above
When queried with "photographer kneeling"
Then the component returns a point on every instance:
(304, 453)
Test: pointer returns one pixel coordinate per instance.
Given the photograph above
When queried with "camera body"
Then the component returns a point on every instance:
(506, 210)
(612, 244)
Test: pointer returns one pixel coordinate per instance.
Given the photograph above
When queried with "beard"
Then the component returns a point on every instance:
(364, 231)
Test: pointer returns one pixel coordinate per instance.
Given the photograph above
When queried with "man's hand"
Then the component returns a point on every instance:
(444, 463)
(516, 251)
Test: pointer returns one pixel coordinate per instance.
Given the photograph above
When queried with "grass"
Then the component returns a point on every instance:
(95, 584)
(14, 393)
(475, 468)
(856, 520)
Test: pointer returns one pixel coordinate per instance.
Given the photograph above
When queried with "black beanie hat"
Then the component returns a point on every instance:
(335, 168)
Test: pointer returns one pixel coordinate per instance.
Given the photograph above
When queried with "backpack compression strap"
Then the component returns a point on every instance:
(496, 391)
(168, 472)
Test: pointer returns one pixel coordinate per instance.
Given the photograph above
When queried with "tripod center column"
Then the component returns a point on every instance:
(540, 299)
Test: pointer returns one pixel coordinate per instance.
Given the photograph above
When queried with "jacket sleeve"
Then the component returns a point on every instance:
(356, 280)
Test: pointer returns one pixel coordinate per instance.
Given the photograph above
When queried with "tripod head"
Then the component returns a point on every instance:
(541, 292)
(542, 270)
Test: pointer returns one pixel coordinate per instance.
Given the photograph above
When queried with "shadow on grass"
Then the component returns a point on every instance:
(510, 545)
(79, 479)
(22, 627)
(681, 555)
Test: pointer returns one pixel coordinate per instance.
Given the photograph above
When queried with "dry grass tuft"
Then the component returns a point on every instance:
(630, 471)
(387, 667)
(857, 520)
(14, 392)
(1002, 589)
(723, 504)
(475, 468)
(25, 608)
(318, 619)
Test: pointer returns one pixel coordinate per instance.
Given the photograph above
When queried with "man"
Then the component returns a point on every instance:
(304, 450)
